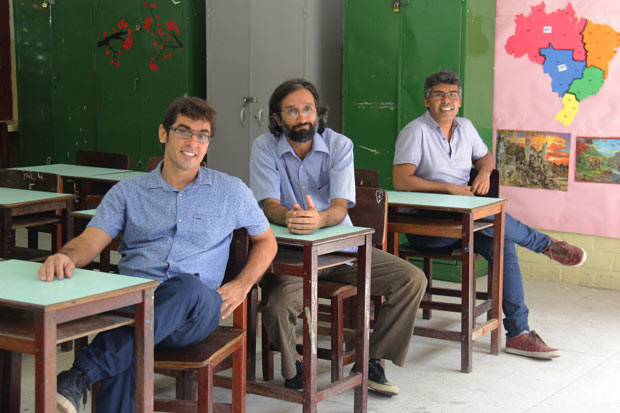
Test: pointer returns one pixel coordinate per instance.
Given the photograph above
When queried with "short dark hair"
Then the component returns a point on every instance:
(285, 89)
(193, 107)
(442, 76)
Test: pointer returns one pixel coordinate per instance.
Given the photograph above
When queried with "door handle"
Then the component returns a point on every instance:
(242, 116)
(259, 117)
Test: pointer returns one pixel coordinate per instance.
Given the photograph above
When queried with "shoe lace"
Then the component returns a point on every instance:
(535, 338)
(559, 248)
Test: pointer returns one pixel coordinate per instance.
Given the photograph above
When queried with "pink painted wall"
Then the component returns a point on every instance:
(523, 100)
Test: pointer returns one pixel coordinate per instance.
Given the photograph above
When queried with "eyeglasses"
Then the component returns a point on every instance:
(294, 112)
(187, 134)
(439, 95)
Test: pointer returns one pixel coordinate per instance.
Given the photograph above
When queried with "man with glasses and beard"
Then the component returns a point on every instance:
(303, 176)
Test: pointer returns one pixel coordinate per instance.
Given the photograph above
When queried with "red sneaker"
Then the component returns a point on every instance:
(565, 253)
(531, 345)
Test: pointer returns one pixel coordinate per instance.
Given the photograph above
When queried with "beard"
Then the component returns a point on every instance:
(296, 134)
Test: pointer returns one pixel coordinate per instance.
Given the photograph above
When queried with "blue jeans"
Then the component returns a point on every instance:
(185, 312)
(515, 232)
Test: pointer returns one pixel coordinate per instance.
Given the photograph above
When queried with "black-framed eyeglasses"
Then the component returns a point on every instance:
(439, 95)
(293, 113)
(187, 134)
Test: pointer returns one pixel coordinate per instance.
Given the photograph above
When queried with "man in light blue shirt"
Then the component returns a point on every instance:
(177, 224)
(302, 174)
(434, 153)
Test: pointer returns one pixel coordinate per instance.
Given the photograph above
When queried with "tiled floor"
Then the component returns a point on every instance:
(583, 322)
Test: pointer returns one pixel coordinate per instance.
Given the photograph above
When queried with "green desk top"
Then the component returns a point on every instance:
(20, 282)
(84, 213)
(118, 176)
(71, 171)
(11, 196)
(431, 200)
(283, 233)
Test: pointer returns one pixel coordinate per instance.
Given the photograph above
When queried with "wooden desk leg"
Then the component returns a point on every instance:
(251, 333)
(468, 299)
(10, 381)
(144, 348)
(67, 222)
(363, 319)
(45, 361)
(7, 242)
(498, 279)
(310, 329)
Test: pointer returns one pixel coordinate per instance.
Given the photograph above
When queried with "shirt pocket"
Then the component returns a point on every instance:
(207, 229)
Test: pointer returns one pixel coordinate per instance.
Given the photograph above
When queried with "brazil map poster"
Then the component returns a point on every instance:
(557, 68)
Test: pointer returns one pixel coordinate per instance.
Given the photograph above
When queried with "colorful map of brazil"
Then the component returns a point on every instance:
(575, 52)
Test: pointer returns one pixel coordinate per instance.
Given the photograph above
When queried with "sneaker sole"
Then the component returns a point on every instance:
(546, 355)
(64, 405)
(386, 389)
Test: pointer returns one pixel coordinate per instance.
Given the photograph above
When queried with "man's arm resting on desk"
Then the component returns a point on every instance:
(76, 253)
(305, 221)
(405, 180)
(264, 248)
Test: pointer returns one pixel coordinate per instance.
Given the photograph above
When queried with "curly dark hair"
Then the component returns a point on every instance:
(442, 76)
(282, 91)
(193, 107)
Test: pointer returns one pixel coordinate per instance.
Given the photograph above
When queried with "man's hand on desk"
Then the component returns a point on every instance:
(304, 221)
(57, 264)
(465, 190)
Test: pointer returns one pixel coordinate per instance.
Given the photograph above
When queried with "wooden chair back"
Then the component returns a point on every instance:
(370, 211)
(103, 159)
(153, 162)
(237, 259)
(35, 181)
(367, 177)
(494, 182)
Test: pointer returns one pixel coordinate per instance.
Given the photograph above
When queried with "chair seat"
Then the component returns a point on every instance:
(216, 347)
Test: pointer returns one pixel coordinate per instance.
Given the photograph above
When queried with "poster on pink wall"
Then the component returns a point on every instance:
(557, 69)
(598, 160)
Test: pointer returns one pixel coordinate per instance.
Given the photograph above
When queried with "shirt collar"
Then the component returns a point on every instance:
(155, 180)
(434, 125)
(318, 145)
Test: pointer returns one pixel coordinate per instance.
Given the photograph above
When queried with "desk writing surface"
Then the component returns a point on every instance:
(118, 176)
(428, 199)
(322, 233)
(85, 213)
(72, 171)
(9, 196)
(20, 282)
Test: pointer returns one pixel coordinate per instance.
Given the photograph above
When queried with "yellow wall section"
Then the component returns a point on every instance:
(601, 269)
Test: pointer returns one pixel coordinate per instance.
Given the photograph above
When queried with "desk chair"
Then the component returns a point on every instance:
(370, 211)
(200, 361)
(96, 191)
(49, 222)
(407, 252)
(194, 366)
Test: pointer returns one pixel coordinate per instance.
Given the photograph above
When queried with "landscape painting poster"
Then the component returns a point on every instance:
(533, 159)
(598, 160)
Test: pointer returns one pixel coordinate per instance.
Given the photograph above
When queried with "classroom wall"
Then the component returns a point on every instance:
(545, 209)
(601, 269)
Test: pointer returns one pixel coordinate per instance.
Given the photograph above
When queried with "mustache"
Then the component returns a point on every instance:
(308, 124)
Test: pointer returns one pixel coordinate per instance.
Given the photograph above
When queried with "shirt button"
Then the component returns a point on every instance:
(180, 195)
(303, 187)
(180, 220)
(177, 242)
(301, 167)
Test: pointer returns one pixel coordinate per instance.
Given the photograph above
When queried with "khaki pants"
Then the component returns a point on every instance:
(401, 283)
